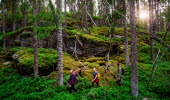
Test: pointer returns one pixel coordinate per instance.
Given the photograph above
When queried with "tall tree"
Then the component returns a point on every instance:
(137, 6)
(90, 6)
(85, 19)
(156, 14)
(14, 8)
(35, 40)
(3, 25)
(133, 49)
(126, 36)
(60, 43)
(151, 29)
(24, 10)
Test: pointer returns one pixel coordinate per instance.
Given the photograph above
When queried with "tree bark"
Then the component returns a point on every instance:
(25, 19)
(38, 10)
(3, 25)
(65, 12)
(126, 37)
(14, 15)
(60, 44)
(91, 7)
(151, 29)
(85, 23)
(137, 6)
(133, 49)
(35, 42)
(25, 15)
(156, 15)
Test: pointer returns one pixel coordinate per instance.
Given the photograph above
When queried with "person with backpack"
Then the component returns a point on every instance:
(72, 81)
(120, 72)
(95, 79)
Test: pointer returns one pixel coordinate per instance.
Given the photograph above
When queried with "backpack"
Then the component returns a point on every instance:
(123, 71)
(98, 75)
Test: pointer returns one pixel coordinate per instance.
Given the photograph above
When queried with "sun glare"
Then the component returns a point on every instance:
(143, 15)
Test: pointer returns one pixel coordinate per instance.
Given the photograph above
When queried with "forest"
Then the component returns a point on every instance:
(84, 49)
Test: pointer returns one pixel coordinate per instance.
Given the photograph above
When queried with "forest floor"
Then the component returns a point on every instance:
(17, 80)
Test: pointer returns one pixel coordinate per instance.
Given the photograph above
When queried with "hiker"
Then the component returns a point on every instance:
(120, 72)
(72, 81)
(95, 78)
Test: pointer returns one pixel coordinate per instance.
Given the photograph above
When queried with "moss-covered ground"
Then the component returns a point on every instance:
(15, 85)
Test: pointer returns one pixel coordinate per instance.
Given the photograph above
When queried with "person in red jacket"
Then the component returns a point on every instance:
(72, 81)
(95, 78)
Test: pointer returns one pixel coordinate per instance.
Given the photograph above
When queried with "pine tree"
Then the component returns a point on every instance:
(133, 49)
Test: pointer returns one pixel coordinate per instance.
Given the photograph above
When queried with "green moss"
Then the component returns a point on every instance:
(19, 31)
(101, 62)
(95, 31)
(72, 32)
(1, 36)
(97, 17)
(86, 37)
(94, 59)
(46, 58)
(120, 59)
(119, 31)
(142, 31)
(93, 65)
(71, 23)
(44, 32)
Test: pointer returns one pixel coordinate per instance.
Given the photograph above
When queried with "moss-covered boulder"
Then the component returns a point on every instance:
(47, 60)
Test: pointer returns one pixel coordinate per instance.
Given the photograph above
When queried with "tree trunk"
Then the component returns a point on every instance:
(14, 17)
(156, 15)
(85, 16)
(65, 12)
(151, 29)
(60, 44)
(25, 19)
(168, 13)
(137, 6)
(3, 25)
(126, 37)
(91, 7)
(35, 42)
(133, 49)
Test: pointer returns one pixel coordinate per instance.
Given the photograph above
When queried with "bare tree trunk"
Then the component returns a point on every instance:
(14, 15)
(168, 13)
(60, 44)
(65, 11)
(91, 7)
(126, 37)
(39, 10)
(137, 6)
(35, 42)
(151, 29)
(3, 25)
(25, 15)
(25, 19)
(133, 49)
(39, 5)
(156, 15)
(85, 16)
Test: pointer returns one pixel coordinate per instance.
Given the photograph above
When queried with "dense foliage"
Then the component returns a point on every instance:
(15, 86)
